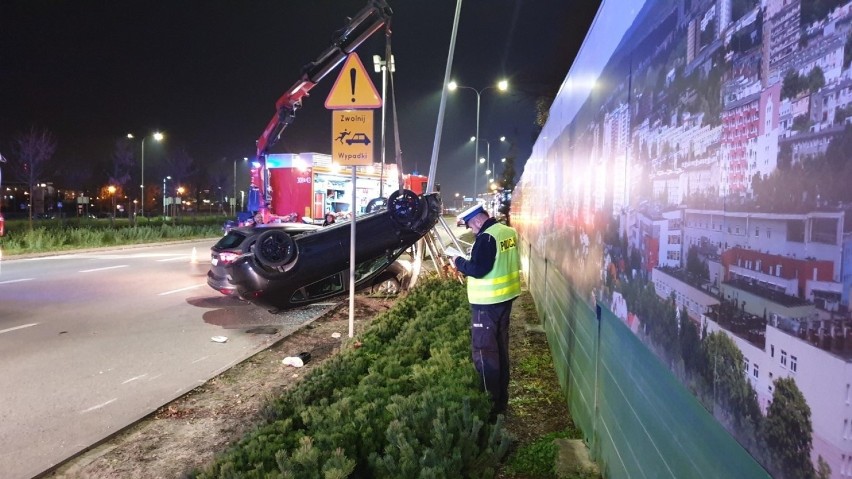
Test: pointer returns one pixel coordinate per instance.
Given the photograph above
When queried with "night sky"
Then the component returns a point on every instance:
(208, 73)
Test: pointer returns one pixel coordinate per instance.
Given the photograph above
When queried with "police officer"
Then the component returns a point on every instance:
(493, 282)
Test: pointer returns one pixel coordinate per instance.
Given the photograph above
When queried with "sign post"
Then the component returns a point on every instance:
(353, 97)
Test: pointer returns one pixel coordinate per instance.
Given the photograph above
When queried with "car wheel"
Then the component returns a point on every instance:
(404, 207)
(387, 287)
(274, 248)
(377, 204)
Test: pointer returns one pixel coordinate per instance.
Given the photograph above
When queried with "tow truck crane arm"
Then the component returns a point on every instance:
(357, 29)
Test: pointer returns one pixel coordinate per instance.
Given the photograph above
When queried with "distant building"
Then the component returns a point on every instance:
(660, 238)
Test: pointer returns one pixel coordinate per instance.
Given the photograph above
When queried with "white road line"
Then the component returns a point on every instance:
(179, 258)
(99, 406)
(102, 269)
(199, 359)
(181, 289)
(48, 258)
(17, 327)
(135, 378)
(16, 280)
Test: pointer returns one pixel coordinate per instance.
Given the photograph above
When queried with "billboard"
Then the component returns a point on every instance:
(692, 180)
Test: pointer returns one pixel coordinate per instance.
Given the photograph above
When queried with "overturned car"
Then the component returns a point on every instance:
(282, 271)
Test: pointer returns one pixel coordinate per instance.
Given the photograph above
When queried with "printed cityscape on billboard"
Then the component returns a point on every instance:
(710, 169)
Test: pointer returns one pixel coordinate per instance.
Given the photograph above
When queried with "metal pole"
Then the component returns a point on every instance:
(384, 94)
(352, 257)
(476, 147)
(142, 185)
(234, 198)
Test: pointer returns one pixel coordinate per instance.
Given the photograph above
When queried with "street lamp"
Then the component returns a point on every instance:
(159, 137)
(380, 65)
(164, 194)
(487, 149)
(111, 190)
(502, 85)
(2, 160)
(178, 200)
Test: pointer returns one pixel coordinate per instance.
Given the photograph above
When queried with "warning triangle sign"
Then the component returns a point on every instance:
(353, 88)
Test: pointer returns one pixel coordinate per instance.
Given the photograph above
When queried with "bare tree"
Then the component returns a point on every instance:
(180, 166)
(33, 150)
(123, 161)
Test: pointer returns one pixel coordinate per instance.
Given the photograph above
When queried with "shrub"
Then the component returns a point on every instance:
(405, 404)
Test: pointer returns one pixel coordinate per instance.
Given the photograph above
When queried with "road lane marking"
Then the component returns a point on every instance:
(17, 327)
(182, 289)
(102, 269)
(16, 280)
(135, 378)
(179, 258)
(199, 359)
(99, 406)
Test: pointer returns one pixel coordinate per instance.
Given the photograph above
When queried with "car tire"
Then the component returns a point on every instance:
(274, 248)
(405, 207)
(377, 204)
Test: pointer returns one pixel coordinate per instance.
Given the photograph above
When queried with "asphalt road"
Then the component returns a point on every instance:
(91, 342)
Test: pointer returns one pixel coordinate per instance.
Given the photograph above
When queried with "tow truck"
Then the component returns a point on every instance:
(278, 270)
(370, 19)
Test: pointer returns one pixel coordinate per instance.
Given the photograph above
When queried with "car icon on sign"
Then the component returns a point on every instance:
(358, 138)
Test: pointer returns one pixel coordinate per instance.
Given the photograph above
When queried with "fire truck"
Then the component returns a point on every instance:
(307, 186)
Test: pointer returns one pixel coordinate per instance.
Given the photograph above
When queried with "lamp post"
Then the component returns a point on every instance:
(490, 165)
(159, 137)
(2, 160)
(178, 200)
(164, 195)
(502, 85)
(111, 190)
(380, 65)
(487, 150)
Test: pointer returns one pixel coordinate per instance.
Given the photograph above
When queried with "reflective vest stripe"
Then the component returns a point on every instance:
(503, 282)
(495, 281)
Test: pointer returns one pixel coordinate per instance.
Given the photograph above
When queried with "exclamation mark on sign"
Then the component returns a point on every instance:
(352, 82)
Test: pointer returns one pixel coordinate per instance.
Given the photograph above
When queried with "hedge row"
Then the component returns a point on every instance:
(405, 404)
(43, 239)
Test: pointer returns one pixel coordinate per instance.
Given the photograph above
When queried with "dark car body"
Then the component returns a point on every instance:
(237, 242)
(282, 271)
(389, 281)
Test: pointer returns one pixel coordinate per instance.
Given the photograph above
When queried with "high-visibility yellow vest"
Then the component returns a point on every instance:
(503, 282)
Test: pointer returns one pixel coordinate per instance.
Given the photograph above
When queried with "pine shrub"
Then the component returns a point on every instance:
(405, 404)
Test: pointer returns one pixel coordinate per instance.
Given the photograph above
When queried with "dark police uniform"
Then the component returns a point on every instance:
(493, 282)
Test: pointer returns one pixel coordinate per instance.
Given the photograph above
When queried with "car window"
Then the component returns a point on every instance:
(327, 286)
(231, 240)
(369, 267)
(333, 284)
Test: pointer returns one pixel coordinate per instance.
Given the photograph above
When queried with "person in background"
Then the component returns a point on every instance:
(329, 219)
(493, 283)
